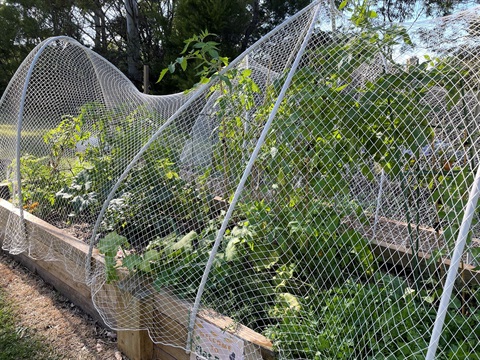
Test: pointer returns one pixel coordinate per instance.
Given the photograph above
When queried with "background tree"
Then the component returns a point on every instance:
(22, 30)
(394, 10)
(131, 33)
(156, 32)
(93, 16)
(265, 15)
(228, 20)
(133, 40)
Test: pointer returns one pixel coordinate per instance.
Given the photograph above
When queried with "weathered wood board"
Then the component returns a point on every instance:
(172, 312)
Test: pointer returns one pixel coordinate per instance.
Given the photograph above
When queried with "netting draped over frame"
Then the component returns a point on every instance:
(320, 204)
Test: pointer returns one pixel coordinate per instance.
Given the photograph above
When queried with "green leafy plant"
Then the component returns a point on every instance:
(63, 139)
(109, 246)
(384, 319)
(204, 54)
(79, 194)
(86, 153)
(42, 177)
(234, 93)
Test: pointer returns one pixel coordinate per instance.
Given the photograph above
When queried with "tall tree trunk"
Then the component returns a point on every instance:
(104, 31)
(252, 26)
(98, 28)
(133, 41)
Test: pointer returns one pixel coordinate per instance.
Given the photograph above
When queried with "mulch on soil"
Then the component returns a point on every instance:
(71, 333)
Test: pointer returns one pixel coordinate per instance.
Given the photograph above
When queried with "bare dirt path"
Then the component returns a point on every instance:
(72, 334)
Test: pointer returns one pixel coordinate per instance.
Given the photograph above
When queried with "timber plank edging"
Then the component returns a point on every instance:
(400, 255)
(395, 254)
(54, 272)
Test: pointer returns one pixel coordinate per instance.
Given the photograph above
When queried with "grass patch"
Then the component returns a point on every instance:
(11, 131)
(18, 343)
(32, 141)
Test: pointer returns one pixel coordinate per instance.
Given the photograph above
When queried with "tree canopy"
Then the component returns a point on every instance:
(131, 33)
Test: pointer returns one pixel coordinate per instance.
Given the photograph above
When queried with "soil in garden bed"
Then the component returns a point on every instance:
(81, 231)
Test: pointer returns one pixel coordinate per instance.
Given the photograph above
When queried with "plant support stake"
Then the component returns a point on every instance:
(379, 201)
(452, 271)
(243, 180)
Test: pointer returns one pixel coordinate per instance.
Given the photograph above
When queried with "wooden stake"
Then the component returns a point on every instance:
(146, 79)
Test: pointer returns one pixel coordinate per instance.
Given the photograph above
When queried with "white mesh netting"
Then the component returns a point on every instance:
(322, 200)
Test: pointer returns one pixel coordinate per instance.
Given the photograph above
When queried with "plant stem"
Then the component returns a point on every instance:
(414, 249)
(224, 145)
(463, 297)
(417, 233)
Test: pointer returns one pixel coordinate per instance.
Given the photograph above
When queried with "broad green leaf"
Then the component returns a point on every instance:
(291, 301)
(224, 60)
(475, 251)
(213, 53)
(367, 172)
(450, 234)
(183, 63)
(131, 261)
(162, 74)
(263, 257)
(231, 251)
(110, 271)
(109, 244)
(185, 244)
(152, 255)
(453, 96)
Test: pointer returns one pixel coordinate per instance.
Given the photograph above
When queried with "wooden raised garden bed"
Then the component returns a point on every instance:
(401, 256)
(173, 313)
